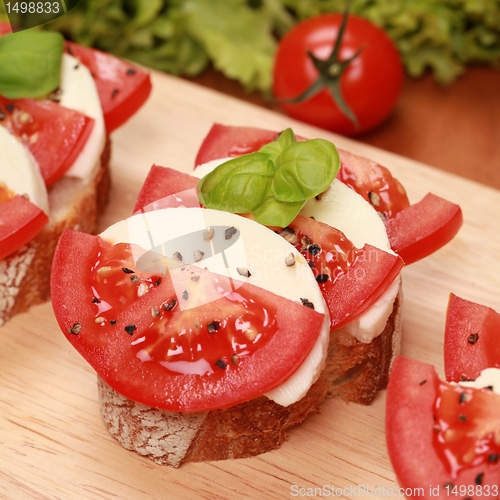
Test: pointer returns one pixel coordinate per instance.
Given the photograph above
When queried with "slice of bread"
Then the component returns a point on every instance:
(73, 203)
(354, 371)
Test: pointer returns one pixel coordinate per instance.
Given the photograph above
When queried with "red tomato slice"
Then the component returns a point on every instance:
(420, 410)
(350, 279)
(223, 142)
(373, 182)
(423, 228)
(20, 221)
(122, 87)
(152, 348)
(166, 187)
(470, 340)
(55, 135)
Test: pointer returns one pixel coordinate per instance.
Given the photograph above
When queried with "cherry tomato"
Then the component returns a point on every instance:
(370, 84)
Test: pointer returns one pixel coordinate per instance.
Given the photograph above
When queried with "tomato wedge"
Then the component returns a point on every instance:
(20, 221)
(420, 411)
(55, 135)
(471, 339)
(122, 87)
(175, 351)
(423, 228)
(350, 279)
(166, 187)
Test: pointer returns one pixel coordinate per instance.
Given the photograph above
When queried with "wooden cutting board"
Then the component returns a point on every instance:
(53, 443)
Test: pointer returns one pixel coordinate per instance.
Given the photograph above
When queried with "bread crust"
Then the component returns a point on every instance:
(25, 274)
(354, 371)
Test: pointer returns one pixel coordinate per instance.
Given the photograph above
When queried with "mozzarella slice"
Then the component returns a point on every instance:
(344, 209)
(177, 233)
(78, 92)
(19, 170)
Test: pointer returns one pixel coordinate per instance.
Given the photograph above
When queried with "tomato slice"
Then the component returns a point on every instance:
(166, 187)
(196, 350)
(122, 87)
(420, 410)
(350, 279)
(20, 221)
(423, 228)
(470, 340)
(223, 142)
(55, 135)
(373, 182)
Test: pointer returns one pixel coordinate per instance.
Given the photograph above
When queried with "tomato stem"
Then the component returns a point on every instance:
(330, 71)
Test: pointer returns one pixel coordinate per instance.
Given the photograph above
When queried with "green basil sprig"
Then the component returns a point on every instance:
(273, 183)
(30, 63)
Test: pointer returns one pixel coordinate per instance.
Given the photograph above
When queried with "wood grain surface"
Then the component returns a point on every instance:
(54, 445)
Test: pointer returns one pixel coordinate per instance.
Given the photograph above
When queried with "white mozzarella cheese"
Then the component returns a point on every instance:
(344, 209)
(489, 377)
(175, 231)
(78, 92)
(19, 170)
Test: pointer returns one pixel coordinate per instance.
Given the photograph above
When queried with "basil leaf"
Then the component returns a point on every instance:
(239, 185)
(30, 63)
(277, 213)
(305, 169)
(275, 148)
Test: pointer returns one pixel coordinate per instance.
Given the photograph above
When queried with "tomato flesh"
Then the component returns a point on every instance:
(165, 188)
(420, 410)
(370, 85)
(467, 429)
(223, 142)
(168, 358)
(55, 135)
(470, 339)
(20, 221)
(421, 229)
(351, 279)
(122, 87)
(374, 183)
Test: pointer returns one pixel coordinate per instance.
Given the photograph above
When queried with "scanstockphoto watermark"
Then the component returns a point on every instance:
(25, 15)
(365, 491)
(360, 490)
